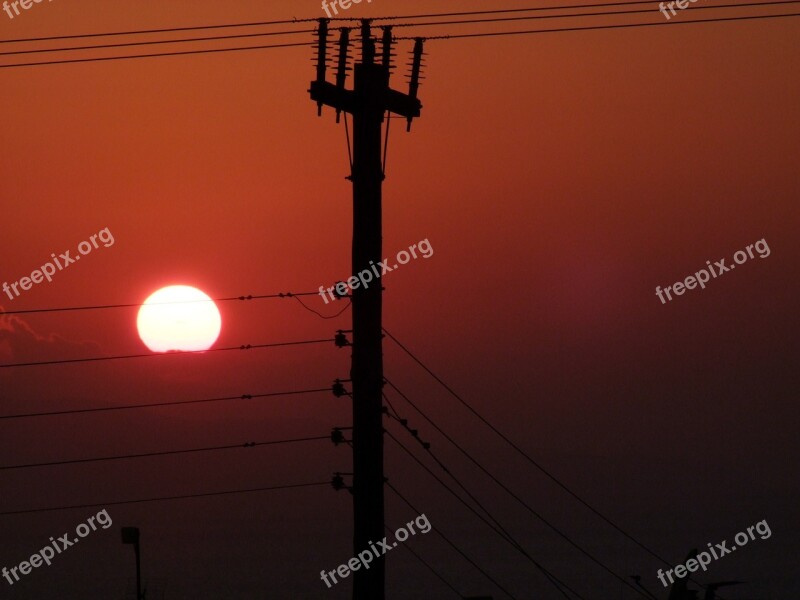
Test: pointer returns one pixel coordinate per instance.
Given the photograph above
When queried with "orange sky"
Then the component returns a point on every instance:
(559, 178)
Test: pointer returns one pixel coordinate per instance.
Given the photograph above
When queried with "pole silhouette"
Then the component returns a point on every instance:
(370, 99)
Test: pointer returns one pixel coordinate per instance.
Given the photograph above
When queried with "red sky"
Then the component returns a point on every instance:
(559, 179)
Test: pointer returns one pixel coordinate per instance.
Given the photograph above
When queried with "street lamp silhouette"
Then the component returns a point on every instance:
(130, 535)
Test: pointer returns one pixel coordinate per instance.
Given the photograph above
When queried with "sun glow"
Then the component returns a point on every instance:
(179, 318)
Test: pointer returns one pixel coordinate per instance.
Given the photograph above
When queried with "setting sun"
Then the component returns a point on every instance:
(178, 318)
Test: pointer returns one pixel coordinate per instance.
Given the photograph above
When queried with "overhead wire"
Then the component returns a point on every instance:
(163, 498)
(453, 545)
(149, 355)
(139, 304)
(163, 453)
(160, 404)
(457, 36)
(319, 314)
(157, 42)
(154, 55)
(519, 450)
(167, 30)
(585, 15)
(597, 27)
(516, 497)
(334, 19)
(494, 525)
(424, 562)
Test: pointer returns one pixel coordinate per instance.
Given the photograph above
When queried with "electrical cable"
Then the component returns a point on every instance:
(420, 559)
(349, 152)
(586, 15)
(496, 527)
(154, 55)
(598, 27)
(155, 404)
(452, 545)
(163, 453)
(386, 142)
(515, 447)
(162, 498)
(319, 314)
(166, 30)
(435, 37)
(156, 42)
(338, 19)
(139, 304)
(519, 450)
(179, 353)
(516, 497)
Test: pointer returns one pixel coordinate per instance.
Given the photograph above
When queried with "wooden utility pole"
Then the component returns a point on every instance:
(370, 99)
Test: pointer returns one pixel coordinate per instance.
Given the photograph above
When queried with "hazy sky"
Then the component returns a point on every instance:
(559, 178)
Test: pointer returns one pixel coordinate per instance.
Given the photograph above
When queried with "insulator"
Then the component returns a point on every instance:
(322, 51)
(367, 43)
(344, 43)
(337, 292)
(386, 47)
(413, 85)
(322, 48)
(338, 389)
(337, 437)
(340, 339)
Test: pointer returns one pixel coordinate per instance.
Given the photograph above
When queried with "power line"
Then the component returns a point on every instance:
(166, 30)
(267, 23)
(155, 55)
(584, 15)
(320, 315)
(155, 42)
(452, 545)
(516, 447)
(164, 498)
(598, 27)
(499, 529)
(311, 20)
(511, 10)
(100, 358)
(436, 37)
(496, 527)
(516, 497)
(154, 404)
(163, 453)
(432, 570)
(398, 25)
(139, 304)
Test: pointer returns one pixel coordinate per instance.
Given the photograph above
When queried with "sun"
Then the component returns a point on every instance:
(179, 318)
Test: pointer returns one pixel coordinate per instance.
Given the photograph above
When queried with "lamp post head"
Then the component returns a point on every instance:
(130, 535)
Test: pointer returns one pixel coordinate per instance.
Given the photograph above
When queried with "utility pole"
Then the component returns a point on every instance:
(370, 99)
